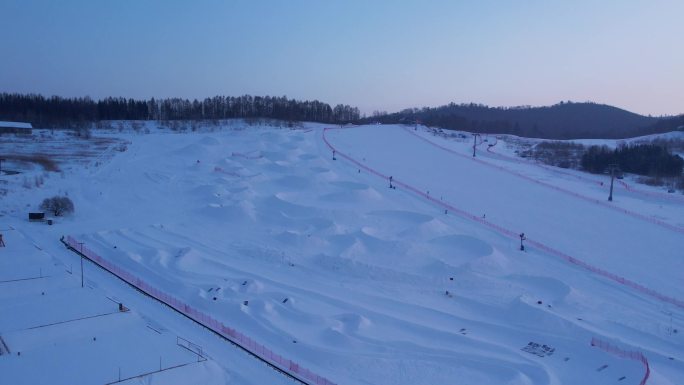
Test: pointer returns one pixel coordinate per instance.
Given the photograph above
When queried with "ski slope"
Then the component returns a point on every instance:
(321, 262)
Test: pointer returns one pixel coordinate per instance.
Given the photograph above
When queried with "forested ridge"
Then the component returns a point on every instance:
(566, 120)
(58, 111)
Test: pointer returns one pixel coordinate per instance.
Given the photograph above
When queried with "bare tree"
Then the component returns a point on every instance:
(58, 205)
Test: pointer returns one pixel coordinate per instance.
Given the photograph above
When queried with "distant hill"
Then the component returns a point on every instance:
(561, 121)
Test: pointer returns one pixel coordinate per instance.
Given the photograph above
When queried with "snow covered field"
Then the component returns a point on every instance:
(323, 263)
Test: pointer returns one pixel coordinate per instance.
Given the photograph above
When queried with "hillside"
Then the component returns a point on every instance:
(560, 121)
(315, 258)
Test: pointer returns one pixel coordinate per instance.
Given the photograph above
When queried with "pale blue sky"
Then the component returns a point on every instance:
(384, 55)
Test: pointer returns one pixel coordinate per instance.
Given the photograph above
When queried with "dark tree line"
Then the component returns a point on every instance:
(674, 123)
(642, 159)
(55, 111)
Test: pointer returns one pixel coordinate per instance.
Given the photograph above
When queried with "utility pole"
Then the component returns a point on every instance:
(475, 143)
(81, 244)
(613, 167)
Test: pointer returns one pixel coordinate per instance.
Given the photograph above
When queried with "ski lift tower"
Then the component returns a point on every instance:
(613, 169)
(522, 238)
(475, 142)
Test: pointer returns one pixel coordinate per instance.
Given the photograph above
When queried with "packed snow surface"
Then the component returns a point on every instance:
(320, 261)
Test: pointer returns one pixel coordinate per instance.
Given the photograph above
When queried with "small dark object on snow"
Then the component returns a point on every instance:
(539, 302)
(246, 303)
(18, 353)
(94, 338)
(121, 307)
(244, 283)
(294, 341)
(451, 278)
(214, 298)
(285, 300)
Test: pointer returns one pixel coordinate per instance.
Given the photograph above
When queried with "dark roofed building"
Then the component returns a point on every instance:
(15, 128)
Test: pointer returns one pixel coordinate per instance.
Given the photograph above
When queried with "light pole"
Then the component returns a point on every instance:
(475, 143)
(613, 167)
(81, 244)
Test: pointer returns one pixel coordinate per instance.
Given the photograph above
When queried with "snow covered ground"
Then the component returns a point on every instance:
(320, 261)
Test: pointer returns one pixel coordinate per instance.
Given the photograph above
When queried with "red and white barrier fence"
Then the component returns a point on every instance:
(291, 367)
(668, 196)
(557, 188)
(510, 233)
(556, 170)
(637, 356)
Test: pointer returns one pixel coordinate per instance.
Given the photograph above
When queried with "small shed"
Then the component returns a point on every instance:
(20, 128)
(38, 216)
